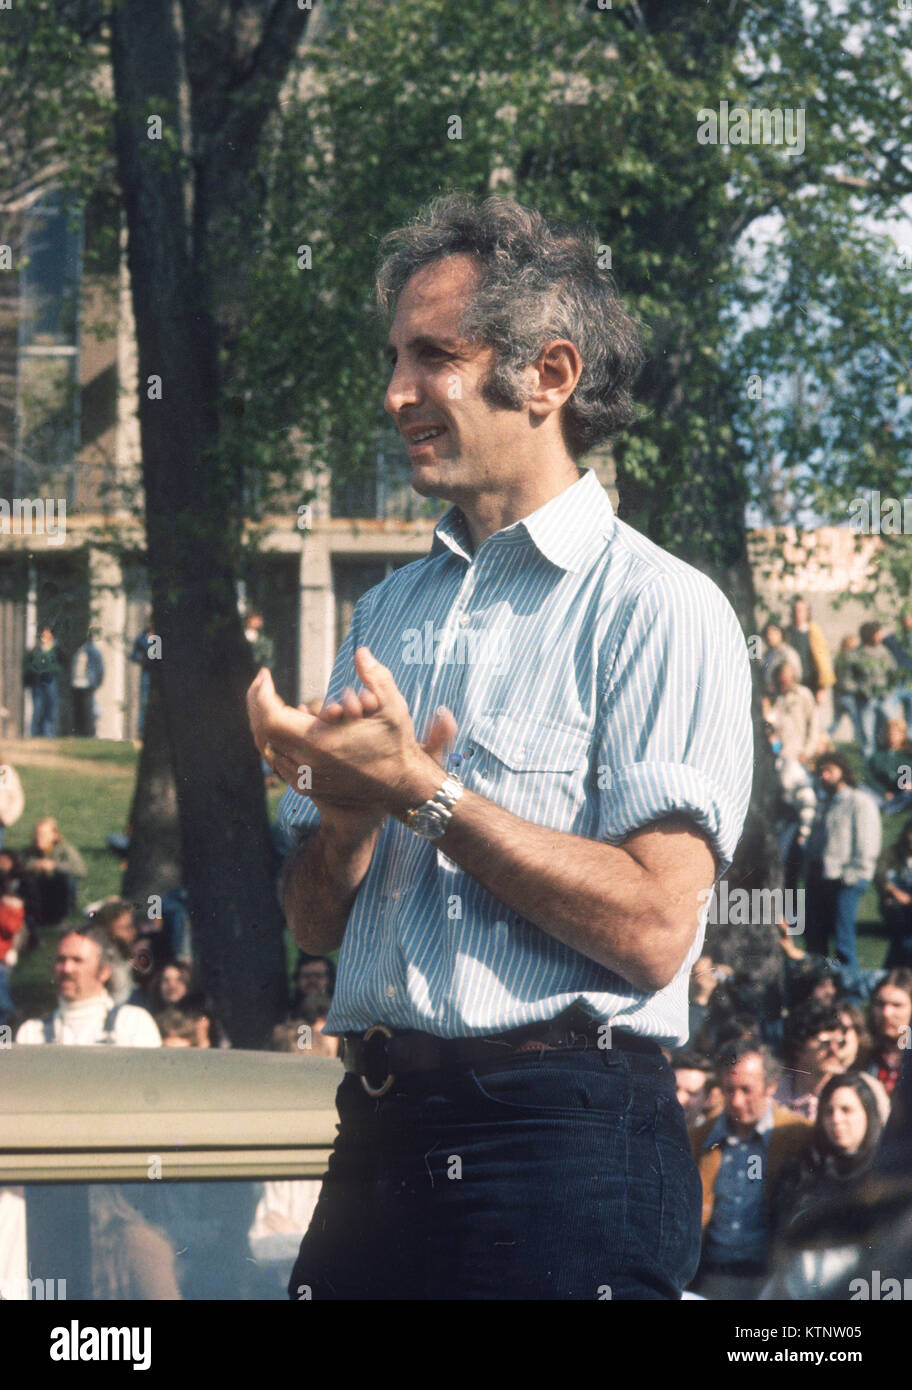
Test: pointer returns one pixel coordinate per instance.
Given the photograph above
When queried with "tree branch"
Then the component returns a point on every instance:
(227, 149)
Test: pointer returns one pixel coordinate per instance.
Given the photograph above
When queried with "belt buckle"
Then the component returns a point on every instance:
(378, 1029)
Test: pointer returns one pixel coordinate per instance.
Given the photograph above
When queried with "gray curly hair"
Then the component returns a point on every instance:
(539, 281)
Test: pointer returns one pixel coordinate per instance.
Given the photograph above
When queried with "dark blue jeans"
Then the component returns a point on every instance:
(45, 706)
(560, 1175)
(832, 907)
(793, 855)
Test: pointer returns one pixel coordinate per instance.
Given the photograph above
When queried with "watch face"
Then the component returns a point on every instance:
(427, 823)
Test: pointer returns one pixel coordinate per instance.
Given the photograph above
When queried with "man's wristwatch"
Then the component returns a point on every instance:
(432, 819)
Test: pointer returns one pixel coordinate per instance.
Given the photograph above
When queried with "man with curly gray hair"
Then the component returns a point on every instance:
(535, 283)
(518, 896)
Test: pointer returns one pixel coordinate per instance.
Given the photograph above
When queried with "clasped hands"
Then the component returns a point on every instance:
(363, 756)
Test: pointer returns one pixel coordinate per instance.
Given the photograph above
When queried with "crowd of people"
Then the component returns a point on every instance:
(787, 1086)
(46, 668)
(118, 978)
(138, 974)
(869, 682)
(794, 1053)
(830, 828)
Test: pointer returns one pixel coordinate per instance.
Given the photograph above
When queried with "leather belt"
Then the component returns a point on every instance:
(381, 1054)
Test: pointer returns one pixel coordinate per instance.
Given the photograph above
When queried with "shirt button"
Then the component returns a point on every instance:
(464, 619)
(390, 991)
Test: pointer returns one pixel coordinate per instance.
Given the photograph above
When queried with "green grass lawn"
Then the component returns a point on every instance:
(87, 785)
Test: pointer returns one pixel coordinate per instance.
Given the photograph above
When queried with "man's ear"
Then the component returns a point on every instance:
(557, 372)
(104, 972)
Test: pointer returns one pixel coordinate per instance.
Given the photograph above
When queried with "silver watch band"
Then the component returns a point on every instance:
(432, 819)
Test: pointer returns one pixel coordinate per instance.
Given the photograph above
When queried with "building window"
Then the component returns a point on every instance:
(47, 376)
(381, 490)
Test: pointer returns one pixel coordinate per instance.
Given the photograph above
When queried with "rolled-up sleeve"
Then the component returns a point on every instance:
(675, 733)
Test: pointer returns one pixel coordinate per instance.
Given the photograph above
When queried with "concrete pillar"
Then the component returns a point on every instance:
(316, 651)
(108, 605)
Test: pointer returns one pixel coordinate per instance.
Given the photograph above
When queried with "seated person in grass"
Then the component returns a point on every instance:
(53, 867)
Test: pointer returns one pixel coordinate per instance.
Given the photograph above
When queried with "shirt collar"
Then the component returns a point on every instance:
(720, 1131)
(569, 530)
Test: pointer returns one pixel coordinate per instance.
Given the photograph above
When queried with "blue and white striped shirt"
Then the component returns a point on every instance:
(598, 684)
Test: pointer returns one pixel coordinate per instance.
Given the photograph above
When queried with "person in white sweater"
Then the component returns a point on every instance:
(85, 1013)
(12, 797)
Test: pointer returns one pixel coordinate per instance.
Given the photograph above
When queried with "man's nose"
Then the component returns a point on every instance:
(401, 390)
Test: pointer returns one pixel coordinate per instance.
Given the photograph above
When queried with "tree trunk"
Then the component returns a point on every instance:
(154, 856)
(193, 516)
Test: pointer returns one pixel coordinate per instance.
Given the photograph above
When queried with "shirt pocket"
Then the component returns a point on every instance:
(539, 771)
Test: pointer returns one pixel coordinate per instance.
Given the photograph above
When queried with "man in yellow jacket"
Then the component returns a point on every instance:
(740, 1154)
(809, 642)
